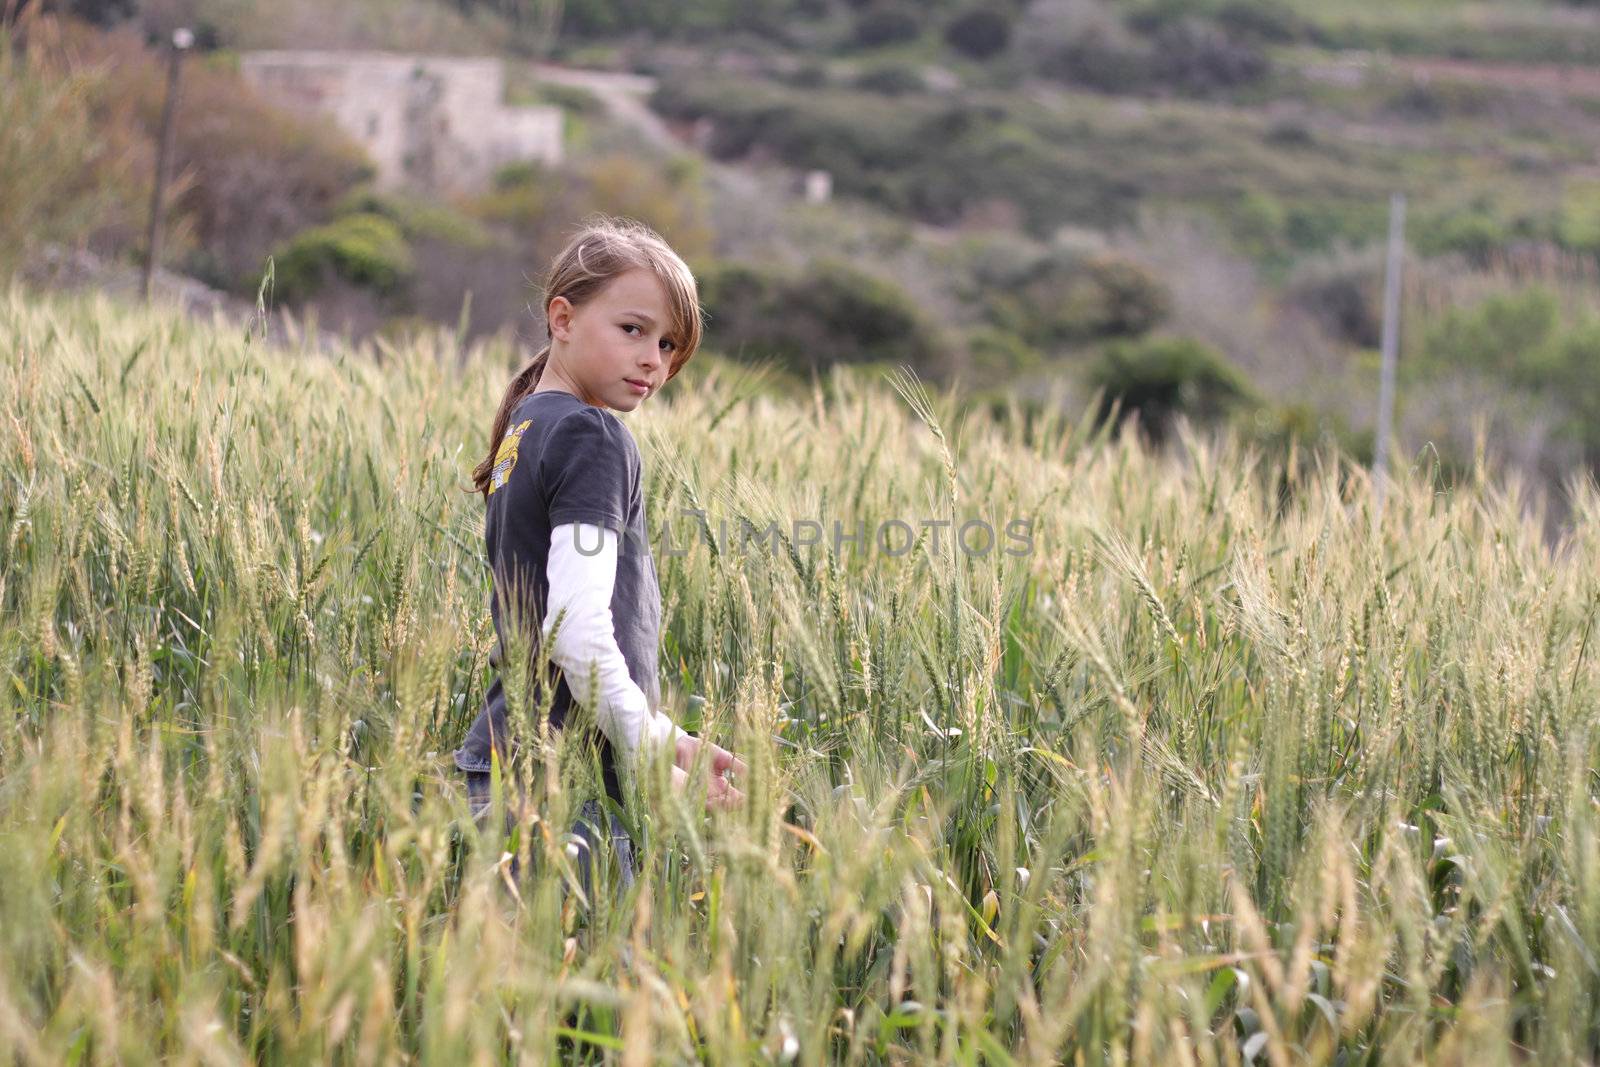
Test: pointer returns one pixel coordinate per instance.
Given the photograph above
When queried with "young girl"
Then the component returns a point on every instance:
(565, 516)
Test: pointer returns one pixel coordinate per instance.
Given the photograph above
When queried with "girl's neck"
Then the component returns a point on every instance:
(552, 380)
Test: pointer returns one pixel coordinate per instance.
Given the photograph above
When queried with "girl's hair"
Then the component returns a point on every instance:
(602, 249)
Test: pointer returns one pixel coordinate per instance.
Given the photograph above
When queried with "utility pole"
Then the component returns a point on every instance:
(182, 41)
(1391, 342)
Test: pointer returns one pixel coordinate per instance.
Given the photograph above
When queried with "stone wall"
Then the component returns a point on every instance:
(430, 123)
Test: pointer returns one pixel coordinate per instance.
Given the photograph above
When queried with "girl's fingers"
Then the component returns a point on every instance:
(723, 796)
(722, 760)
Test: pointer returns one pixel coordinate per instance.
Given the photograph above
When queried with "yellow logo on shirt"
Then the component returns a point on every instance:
(506, 457)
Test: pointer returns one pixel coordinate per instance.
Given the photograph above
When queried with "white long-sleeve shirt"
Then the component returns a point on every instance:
(585, 643)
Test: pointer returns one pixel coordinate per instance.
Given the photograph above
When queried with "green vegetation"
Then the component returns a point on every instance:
(246, 175)
(1522, 338)
(830, 313)
(362, 249)
(980, 33)
(1214, 771)
(46, 137)
(420, 219)
(1071, 161)
(1056, 299)
(1160, 378)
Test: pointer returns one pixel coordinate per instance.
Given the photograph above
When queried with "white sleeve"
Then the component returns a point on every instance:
(581, 582)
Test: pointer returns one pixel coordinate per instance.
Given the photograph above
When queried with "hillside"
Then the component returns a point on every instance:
(1180, 203)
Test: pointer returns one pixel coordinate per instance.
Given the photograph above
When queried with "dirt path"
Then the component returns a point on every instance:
(1550, 79)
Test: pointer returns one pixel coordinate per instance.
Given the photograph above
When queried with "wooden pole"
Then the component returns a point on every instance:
(1391, 342)
(181, 40)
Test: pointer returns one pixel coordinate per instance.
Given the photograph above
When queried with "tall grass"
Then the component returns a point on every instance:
(1226, 768)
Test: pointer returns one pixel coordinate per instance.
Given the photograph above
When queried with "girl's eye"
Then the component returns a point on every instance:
(668, 345)
(631, 326)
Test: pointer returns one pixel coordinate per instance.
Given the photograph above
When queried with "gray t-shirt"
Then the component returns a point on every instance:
(563, 460)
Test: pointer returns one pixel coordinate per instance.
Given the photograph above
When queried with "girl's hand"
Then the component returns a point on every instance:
(721, 794)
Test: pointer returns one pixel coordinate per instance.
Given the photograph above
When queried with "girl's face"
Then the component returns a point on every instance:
(612, 350)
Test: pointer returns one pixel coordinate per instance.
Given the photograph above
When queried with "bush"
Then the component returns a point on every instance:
(809, 74)
(1197, 56)
(1101, 60)
(419, 218)
(892, 79)
(979, 33)
(1438, 100)
(1509, 334)
(363, 249)
(1475, 234)
(830, 313)
(886, 24)
(1275, 427)
(1163, 377)
(1344, 302)
(1519, 339)
(997, 355)
(246, 175)
(95, 12)
(1263, 21)
(1125, 299)
(1184, 54)
(1058, 299)
(1573, 372)
(53, 180)
(538, 202)
(1578, 219)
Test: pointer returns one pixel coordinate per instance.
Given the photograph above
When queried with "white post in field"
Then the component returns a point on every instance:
(1391, 343)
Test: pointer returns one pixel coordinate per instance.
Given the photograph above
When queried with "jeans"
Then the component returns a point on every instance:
(585, 829)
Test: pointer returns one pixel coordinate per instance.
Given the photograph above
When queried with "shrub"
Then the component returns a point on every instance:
(1264, 21)
(53, 169)
(1197, 56)
(997, 355)
(1573, 371)
(419, 218)
(1578, 219)
(1059, 299)
(809, 74)
(979, 33)
(95, 12)
(364, 249)
(1279, 430)
(539, 202)
(1163, 377)
(1127, 300)
(246, 175)
(1438, 100)
(1101, 60)
(1344, 302)
(1507, 334)
(1474, 233)
(829, 313)
(886, 24)
(892, 79)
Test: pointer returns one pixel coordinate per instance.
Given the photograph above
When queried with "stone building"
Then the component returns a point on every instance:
(431, 123)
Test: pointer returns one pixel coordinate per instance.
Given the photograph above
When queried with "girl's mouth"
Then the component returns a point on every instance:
(640, 387)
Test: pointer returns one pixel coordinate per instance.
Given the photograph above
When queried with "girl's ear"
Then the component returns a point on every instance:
(559, 315)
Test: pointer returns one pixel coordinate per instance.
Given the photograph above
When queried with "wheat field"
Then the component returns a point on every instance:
(1219, 766)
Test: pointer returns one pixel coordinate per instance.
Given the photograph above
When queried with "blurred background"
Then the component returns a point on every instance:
(1183, 206)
